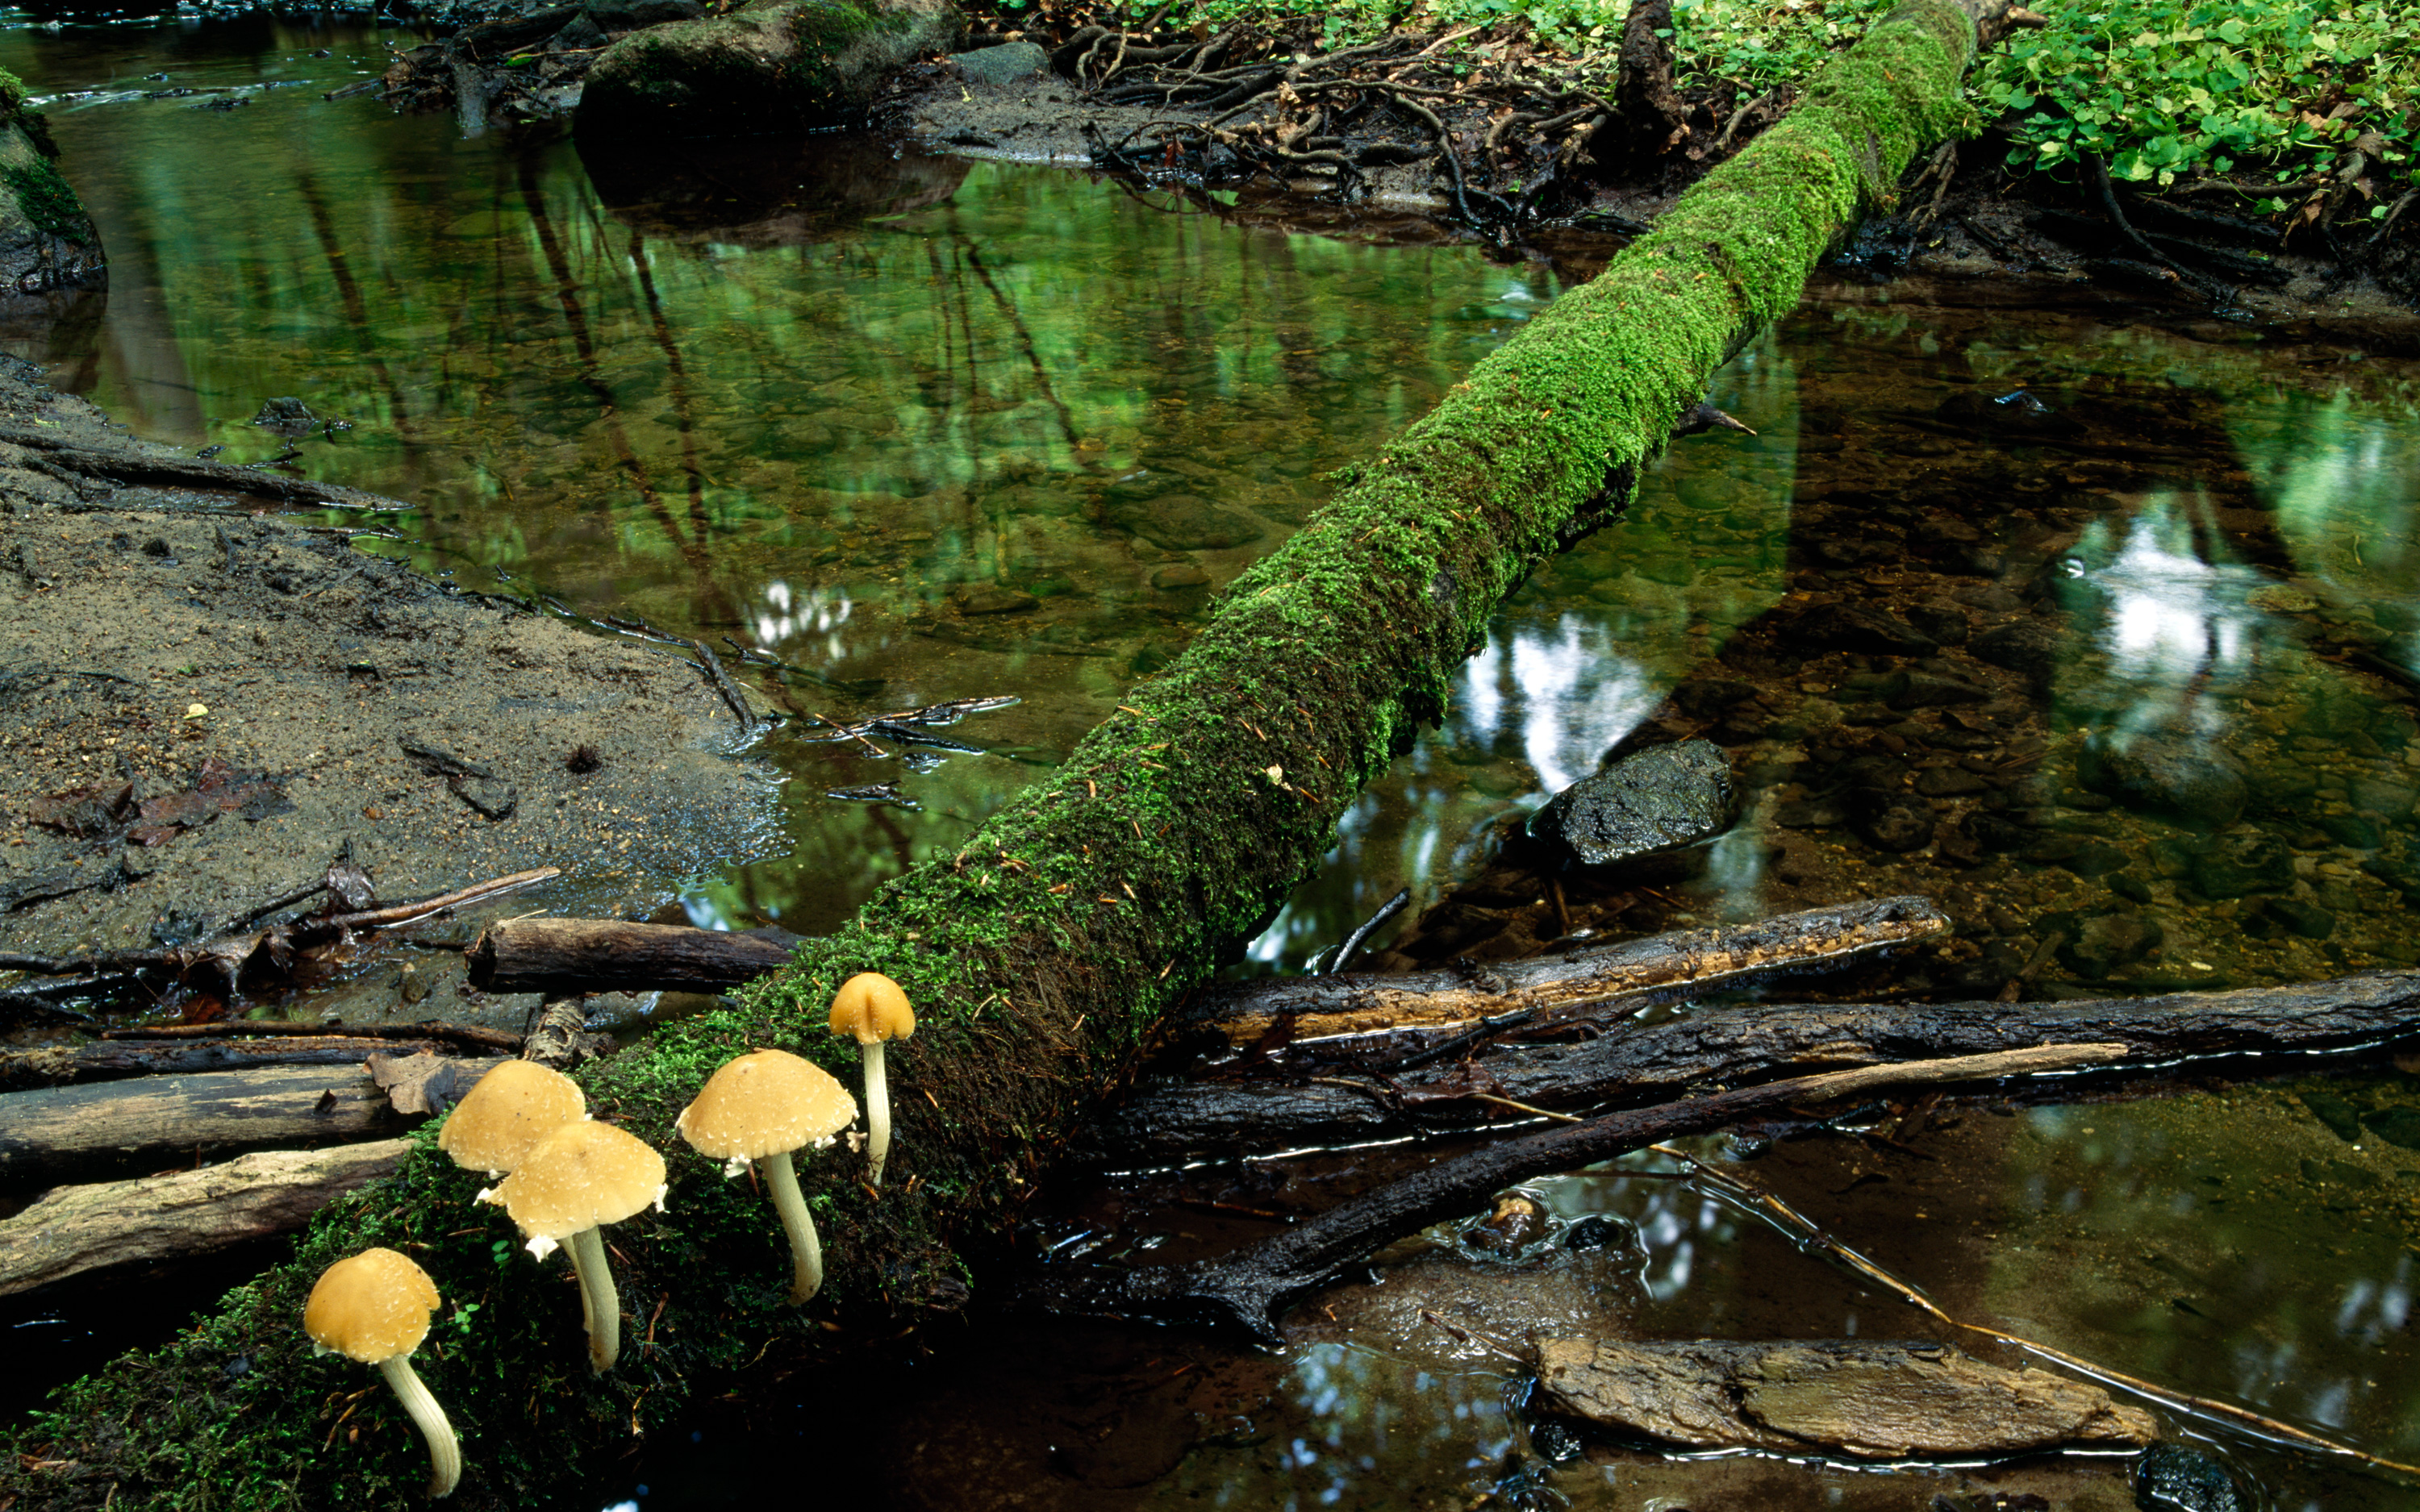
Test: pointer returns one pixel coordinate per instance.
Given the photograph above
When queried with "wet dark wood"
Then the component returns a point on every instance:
(566, 956)
(104, 1060)
(1726, 1047)
(1244, 1292)
(108, 1129)
(472, 1035)
(1879, 1401)
(1665, 966)
(75, 1232)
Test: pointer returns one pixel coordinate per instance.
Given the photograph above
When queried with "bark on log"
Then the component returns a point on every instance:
(1636, 971)
(562, 956)
(109, 1060)
(111, 1129)
(1727, 1046)
(1046, 950)
(75, 1232)
(1847, 1398)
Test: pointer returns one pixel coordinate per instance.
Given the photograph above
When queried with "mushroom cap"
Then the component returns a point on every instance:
(582, 1175)
(514, 1106)
(873, 1007)
(370, 1306)
(765, 1103)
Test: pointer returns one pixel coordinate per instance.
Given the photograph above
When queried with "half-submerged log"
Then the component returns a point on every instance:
(86, 1232)
(109, 1129)
(1847, 1398)
(1730, 1046)
(1044, 950)
(559, 956)
(1245, 1291)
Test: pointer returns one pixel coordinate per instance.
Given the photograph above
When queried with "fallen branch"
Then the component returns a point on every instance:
(1245, 1291)
(1304, 1101)
(561, 956)
(108, 1129)
(113, 1060)
(473, 1035)
(182, 472)
(75, 1232)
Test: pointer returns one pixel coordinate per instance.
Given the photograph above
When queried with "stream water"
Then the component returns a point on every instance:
(931, 429)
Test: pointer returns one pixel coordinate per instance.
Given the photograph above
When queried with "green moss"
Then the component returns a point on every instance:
(1055, 941)
(47, 198)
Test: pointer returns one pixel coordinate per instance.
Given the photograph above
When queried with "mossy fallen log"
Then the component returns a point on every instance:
(1043, 951)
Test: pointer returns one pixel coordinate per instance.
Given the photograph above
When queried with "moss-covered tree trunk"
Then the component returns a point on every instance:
(1043, 952)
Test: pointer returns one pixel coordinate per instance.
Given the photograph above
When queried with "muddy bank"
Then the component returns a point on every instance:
(203, 705)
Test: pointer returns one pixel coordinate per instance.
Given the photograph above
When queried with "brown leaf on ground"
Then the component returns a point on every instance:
(425, 1082)
(84, 811)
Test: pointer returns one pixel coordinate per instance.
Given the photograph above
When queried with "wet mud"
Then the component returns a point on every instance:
(202, 706)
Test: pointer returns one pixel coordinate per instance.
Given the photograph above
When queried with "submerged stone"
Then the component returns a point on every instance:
(2171, 774)
(2172, 1478)
(1659, 799)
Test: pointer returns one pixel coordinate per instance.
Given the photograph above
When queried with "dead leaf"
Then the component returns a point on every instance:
(425, 1082)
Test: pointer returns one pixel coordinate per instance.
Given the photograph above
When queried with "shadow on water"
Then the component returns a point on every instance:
(929, 430)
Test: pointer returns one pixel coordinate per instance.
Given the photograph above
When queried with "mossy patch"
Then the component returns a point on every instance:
(786, 65)
(48, 200)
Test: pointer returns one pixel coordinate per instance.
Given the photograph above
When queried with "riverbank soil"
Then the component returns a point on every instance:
(202, 706)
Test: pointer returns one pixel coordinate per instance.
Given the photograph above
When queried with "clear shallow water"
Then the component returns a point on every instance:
(934, 430)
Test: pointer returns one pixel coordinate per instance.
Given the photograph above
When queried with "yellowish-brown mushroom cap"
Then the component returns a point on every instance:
(582, 1175)
(765, 1103)
(514, 1106)
(873, 1007)
(370, 1306)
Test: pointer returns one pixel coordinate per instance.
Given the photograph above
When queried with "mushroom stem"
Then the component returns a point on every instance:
(878, 1114)
(806, 1250)
(444, 1453)
(597, 1297)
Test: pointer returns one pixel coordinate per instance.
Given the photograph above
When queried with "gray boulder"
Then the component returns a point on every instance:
(772, 66)
(1659, 799)
(1005, 64)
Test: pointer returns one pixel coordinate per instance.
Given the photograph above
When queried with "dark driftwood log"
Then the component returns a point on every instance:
(81, 1231)
(1862, 1401)
(598, 955)
(186, 472)
(1650, 1063)
(107, 1060)
(111, 1129)
(1245, 1290)
(1663, 966)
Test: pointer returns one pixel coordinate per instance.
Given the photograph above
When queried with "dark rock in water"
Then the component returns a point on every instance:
(2309, 921)
(2100, 945)
(2095, 858)
(288, 414)
(1907, 689)
(1658, 799)
(1949, 782)
(1711, 697)
(1901, 824)
(2029, 645)
(582, 35)
(773, 66)
(1994, 833)
(1854, 628)
(1005, 64)
(991, 598)
(2241, 861)
(2172, 1478)
(2399, 867)
(2357, 831)
(2342, 1118)
(1944, 623)
(1597, 1231)
(2170, 772)
(2399, 1126)
(1182, 522)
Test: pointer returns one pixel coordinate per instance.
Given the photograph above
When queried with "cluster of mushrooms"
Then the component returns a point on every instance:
(565, 1176)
